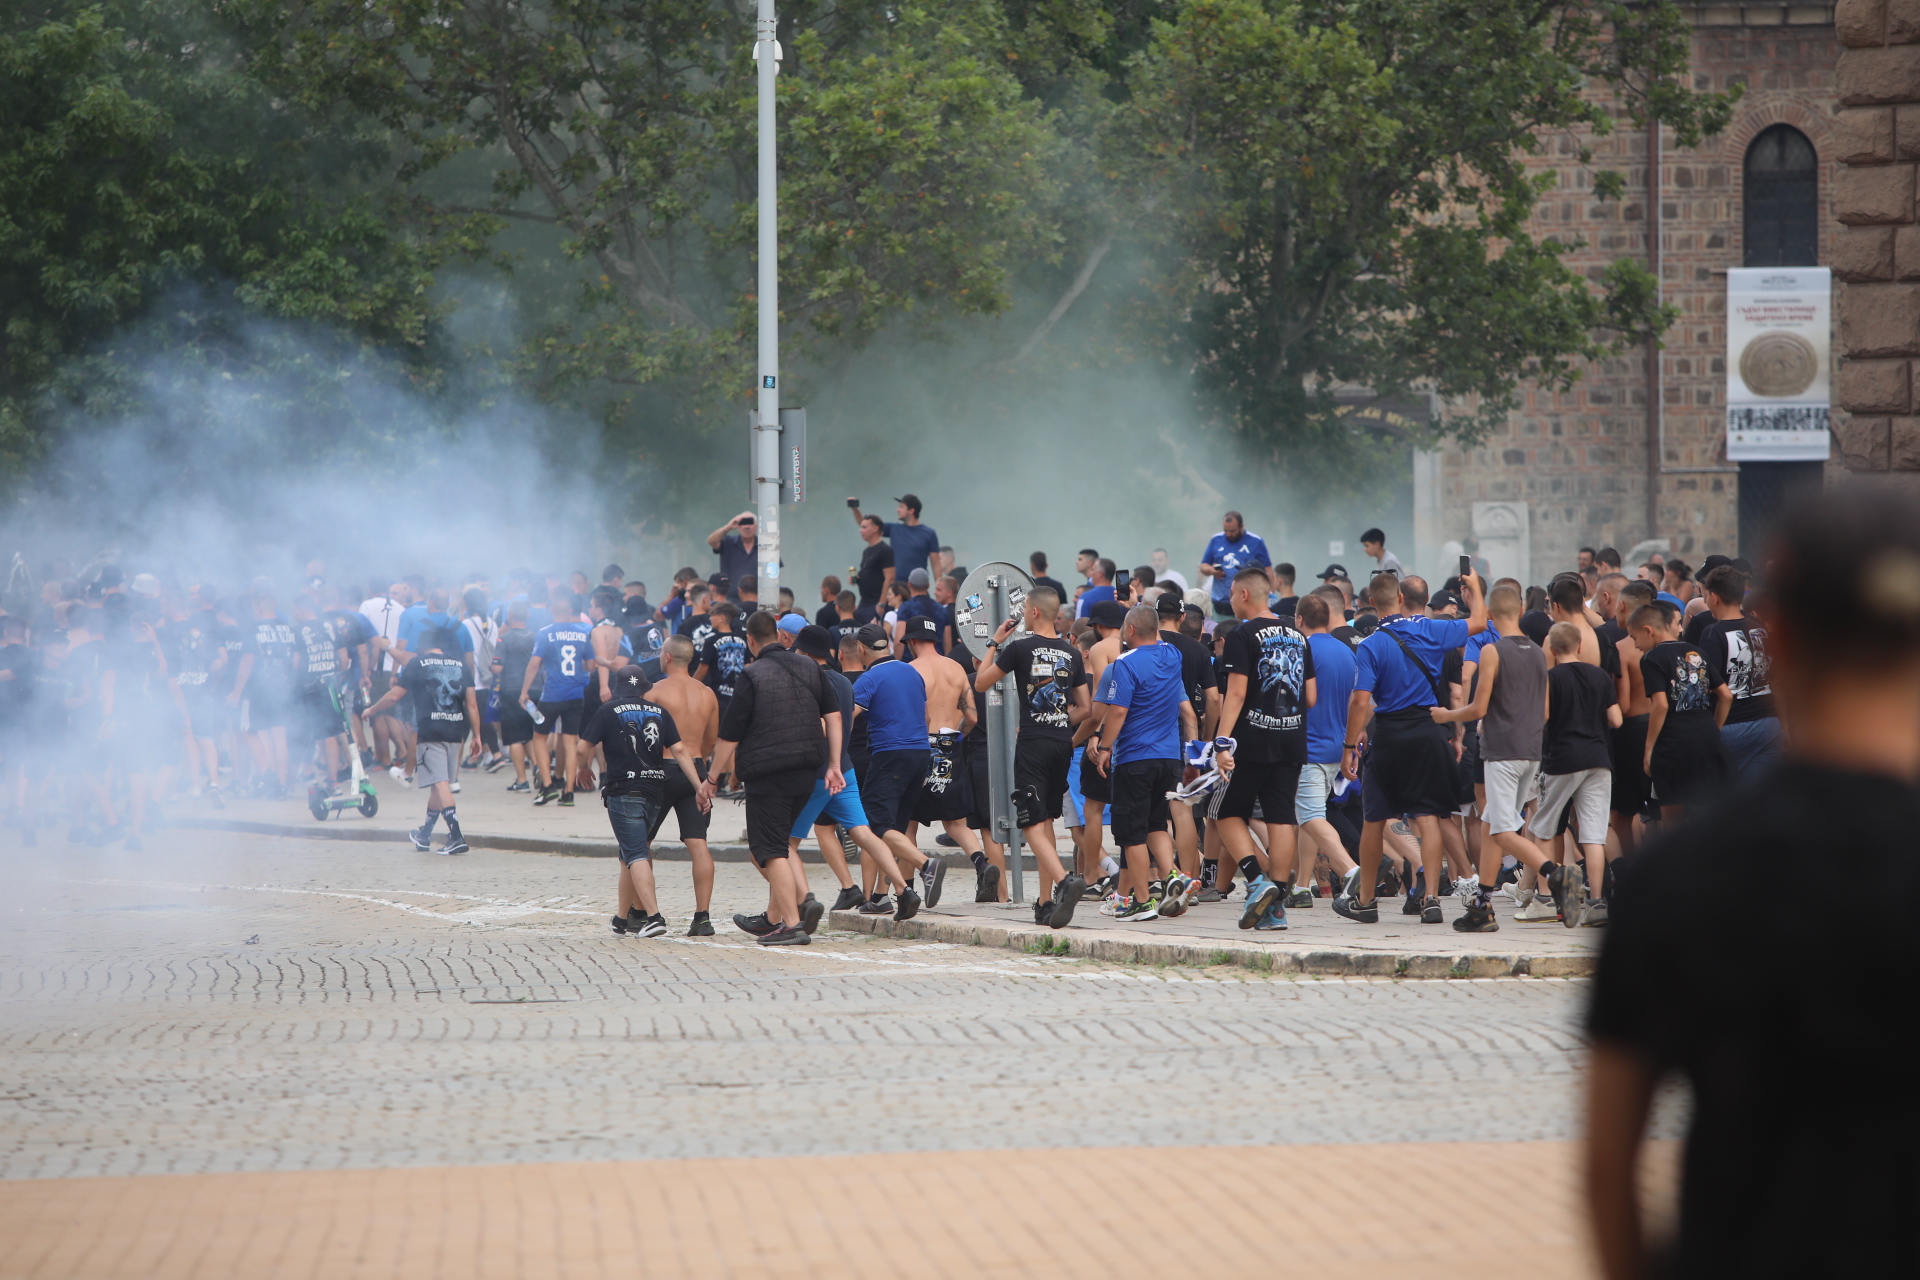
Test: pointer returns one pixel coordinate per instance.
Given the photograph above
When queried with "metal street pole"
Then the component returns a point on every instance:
(766, 454)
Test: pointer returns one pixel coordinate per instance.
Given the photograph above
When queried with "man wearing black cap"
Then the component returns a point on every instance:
(637, 736)
(880, 875)
(913, 543)
(781, 726)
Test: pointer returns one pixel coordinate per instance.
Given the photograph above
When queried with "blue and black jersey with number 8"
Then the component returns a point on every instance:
(566, 660)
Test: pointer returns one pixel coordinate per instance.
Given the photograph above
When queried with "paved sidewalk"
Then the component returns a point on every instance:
(960, 1214)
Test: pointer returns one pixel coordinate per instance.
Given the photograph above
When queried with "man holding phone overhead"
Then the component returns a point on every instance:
(737, 543)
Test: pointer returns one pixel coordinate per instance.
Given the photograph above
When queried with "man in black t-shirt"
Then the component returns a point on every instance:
(444, 708)
(724, 656)
(1052, 687)
(876, 564)
(697, 624)
(1037, 562)
(1269, 677)
(1684, 757)
(638, 738)
(1736, 648)
(1768, 1190)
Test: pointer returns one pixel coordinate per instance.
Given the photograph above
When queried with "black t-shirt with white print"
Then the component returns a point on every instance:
(1046, 670)
(638, 737)
(439, 687)
(1277, 663)
(1736, 649)
(1682, 672)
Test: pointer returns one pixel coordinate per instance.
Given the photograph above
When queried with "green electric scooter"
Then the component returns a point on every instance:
(321, 801)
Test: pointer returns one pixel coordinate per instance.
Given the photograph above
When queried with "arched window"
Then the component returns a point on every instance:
(1782, 196)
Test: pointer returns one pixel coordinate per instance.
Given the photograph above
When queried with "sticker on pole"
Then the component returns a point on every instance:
(767, 381)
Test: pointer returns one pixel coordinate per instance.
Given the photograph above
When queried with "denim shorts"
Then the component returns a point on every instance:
(632, 820)
(1316, 784)
(844, 808)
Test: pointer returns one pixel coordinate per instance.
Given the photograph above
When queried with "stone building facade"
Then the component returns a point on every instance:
(1573, 469)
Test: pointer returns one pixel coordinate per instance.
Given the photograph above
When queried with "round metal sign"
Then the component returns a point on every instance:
(991, 594)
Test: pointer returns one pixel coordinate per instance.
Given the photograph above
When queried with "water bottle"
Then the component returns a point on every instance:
(534, 712)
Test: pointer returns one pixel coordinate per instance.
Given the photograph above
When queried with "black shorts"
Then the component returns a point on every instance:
(1412, 765)
(265, 710)
(208, 713)
(1040, 768)
(680, 802)
(770, 817)
(890, 787)
(1632, 793)
(1269, 784)
(516, 726)
(1470, 769)
(319, 713)
(947, 793)
(562, 717)
(1689, 772)
(980, 799)
(1095, 785)
(590, 698)
(1140, 803)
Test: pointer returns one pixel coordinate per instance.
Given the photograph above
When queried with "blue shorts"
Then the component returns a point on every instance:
(632, 820)
(844, 808)
(1076, 806)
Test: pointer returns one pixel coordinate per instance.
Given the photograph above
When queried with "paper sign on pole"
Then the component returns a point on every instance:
(1778, 364)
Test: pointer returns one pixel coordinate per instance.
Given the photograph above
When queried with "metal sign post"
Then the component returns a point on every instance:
(767, 468)
(990, 595)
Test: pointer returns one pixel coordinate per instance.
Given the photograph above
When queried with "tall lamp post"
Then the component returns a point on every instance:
(766, 452)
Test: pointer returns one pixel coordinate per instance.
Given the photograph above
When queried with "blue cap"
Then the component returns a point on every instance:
(791, 623)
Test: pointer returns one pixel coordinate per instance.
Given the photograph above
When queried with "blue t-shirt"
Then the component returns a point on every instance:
(893, 699)
(1383, 670)
(913, 546)
(566, 659)
(410, 631)
(1091, 597)
(412, 618)
(1146, 681)
(1671, 599)
(927, 607)
(1333, 668)
(1247, 551)
(1478, 642)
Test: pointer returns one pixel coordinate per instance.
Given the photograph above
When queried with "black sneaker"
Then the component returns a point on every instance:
(1043, 913)
(1569, 886)
(908, 907)
(1478, 918)
(810, 912)
(1412, 905)
(1354, 910)
(519, 786)
(933, 875)
(702, 926)
(1070, 893)
(652, 927)
(785, 936)
(630, 922)
(422, 839)
(986, 883)
(946, 841)
(454, 845)
(1099, 890)
(566, 799)
(759, 926)
(1430, 912)
(547, 796)
(880, 904)
(1446, 885)
(849, 897)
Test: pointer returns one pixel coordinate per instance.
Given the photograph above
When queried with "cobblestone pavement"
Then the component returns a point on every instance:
(235, 1003)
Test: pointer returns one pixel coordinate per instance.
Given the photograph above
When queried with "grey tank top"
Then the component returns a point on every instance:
(1517, 710)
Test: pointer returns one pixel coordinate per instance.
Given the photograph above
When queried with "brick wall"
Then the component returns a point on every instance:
(1579, 458)
(1876, 256)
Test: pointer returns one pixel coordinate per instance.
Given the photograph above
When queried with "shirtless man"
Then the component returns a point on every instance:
(696, 714)
(1630, 793)
(944, 796)
(611, 651)
(1096, 790)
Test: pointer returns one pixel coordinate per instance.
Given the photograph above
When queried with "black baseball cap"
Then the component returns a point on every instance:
(911, 500)
(1108, 613)
(631, 679)
(1443, 599)
(1170, 605)
(874, 636)
(1334, 571)
(814, 641)
(923, 629)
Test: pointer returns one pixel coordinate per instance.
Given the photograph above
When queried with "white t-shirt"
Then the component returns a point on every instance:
(383, 615)
(1174, 575)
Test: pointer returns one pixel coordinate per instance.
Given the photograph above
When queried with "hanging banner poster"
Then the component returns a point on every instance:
(1779, 344)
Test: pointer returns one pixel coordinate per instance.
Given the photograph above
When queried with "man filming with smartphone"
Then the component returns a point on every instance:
(737, 543)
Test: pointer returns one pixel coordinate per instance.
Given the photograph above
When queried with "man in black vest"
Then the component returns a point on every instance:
(781, 725)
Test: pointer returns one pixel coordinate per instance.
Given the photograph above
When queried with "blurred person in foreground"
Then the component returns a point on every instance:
(1774, 1184)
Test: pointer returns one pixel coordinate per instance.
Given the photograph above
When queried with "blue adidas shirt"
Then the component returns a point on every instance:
(1333, 674)
(1383, 669)
(893, 698)
(1091, 597)
(1242, 553)
(566, 659)
(1146, 681)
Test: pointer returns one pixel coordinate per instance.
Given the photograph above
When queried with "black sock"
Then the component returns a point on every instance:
(453, 823)
(1250, 868)
(1209, 872)
(979, 860)
(433, 816)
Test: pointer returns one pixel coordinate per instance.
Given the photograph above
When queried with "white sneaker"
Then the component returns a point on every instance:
(456, 788)
(1463, 890)
(1114, 905)
(1594, 914)
(1537, 910)
(397, 773)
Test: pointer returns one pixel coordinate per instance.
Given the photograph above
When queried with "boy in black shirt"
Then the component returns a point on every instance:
(444, 708)
(1052, 684)
(1770, 1188)
(1684, 757)
(637, 737)
(1577, 768)
(1736, 647)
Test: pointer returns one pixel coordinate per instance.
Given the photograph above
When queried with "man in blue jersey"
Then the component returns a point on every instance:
(1100, 576)
(890, 698)
(1144, 717)
(1333, 672)
(1230, 551)
(1409, 761)
(563, 654)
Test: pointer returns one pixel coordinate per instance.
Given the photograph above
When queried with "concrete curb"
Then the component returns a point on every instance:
(664, 851)
(1135, 948)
